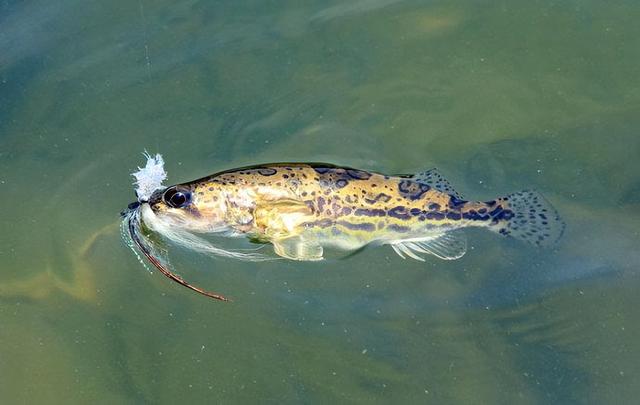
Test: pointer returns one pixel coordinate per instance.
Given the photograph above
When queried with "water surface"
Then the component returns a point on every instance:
(500, 96)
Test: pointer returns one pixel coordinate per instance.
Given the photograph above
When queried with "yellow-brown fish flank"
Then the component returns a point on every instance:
(303, 206)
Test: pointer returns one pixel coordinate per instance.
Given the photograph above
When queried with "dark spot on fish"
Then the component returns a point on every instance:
(309, 204)
(434, 206)
(364, 226)
(399, 212)
(380, 197)
(286, 176)
(346, 211)
(474, 216)
(454, 215)
(455, 202)
(507, 214)
(193, 211)
(370, 212)
(304, 193)
(436, 215)
(321, 203)
(351, 199)
(210, 188)
(267, 171)
(398, 228)
(322, 170)
(415, 211)
(358, 174)
(412, 190)
(341, 183)
(323, 223)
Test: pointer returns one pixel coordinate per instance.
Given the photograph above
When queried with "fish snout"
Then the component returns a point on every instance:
(131, 207)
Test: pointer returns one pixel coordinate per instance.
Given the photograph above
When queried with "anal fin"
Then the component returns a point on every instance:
(435, 179)
(447, 246)
(298, 248)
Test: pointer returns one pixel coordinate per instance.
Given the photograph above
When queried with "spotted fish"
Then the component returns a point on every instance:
(302, 208)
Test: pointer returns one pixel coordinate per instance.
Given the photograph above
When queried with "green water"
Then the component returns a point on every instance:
(500, 96)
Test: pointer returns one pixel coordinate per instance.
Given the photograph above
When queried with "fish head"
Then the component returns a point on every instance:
(189, 208)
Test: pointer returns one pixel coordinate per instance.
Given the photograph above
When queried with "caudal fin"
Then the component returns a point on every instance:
(528, 216)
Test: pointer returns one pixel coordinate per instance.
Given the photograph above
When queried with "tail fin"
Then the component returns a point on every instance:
(528, 216)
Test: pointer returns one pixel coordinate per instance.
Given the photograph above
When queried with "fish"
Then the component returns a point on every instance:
(303, 209)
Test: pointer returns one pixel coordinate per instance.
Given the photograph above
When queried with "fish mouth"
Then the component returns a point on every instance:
(153, 199)
(130, 208)
(137, 240)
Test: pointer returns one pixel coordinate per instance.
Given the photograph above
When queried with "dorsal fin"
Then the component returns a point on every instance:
(435, 179)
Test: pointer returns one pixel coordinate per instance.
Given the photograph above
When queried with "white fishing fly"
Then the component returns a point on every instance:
(150, 177)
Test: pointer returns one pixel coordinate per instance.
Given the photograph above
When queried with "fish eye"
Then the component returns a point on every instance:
(176, 198)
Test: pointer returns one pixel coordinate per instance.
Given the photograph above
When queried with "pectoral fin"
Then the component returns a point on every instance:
(298, 248)
(279, 219)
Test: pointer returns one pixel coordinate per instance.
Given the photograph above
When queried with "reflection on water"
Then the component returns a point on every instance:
(499, 96)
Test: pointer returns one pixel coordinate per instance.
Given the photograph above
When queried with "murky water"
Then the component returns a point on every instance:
(500, 96)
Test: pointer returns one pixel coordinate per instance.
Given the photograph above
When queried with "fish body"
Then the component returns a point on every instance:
(301, 208)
